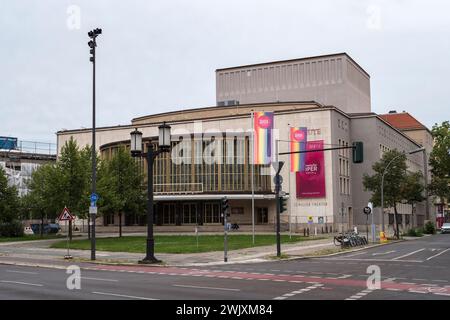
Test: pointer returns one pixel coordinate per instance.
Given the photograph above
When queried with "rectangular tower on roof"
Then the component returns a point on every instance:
(329, 80)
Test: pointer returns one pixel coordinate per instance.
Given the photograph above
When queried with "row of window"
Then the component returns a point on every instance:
(344, 168)
(212, 166)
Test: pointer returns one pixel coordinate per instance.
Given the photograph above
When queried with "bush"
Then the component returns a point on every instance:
(418, 232)
(11, 229)
(429, 228)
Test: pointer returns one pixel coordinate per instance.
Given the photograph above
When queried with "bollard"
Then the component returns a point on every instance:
(304, 232)
(307, 232)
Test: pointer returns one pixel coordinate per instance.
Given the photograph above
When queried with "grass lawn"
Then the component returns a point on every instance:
(180, 244)
(30, 238)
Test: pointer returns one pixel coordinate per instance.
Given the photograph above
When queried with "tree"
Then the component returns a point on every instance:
(440, 162)
(74, 186)
(394, 179)
(121, 186)
(43, 199)
(412, 190)
(66, 183)
(9, 200)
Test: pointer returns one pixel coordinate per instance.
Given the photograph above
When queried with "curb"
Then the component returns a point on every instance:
(353, 250)
(213, 263)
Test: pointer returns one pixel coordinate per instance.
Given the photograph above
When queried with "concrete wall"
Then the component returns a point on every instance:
(376, 134)
(330, 80)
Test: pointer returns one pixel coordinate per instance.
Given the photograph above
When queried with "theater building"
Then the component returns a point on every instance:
(312, 102)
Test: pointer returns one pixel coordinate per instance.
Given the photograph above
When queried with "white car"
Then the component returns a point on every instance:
(28, 231)
(445, 228)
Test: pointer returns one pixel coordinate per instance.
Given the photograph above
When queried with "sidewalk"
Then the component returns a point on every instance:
(39, 252)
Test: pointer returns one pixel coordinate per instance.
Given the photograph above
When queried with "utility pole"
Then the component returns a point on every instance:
(93, 34)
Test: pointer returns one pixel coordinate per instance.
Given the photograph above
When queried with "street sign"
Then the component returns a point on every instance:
(65, 215)
(367, 210)
(280, 180)
(94, 197)
(93, 210)
(310, 220)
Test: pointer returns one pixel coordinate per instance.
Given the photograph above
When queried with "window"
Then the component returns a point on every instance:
(344, 168)
(237, 210)
(212, 213)
(391, 218)
(262, 215)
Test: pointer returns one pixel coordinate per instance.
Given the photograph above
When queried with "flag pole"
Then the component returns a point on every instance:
(253, 176)
(289, 182)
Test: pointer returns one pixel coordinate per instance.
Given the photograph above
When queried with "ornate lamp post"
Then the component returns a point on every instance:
(136, 151)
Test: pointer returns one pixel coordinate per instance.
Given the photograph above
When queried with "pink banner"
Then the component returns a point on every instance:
(311, 182)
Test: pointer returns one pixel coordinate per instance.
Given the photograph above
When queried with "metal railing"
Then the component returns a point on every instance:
(178, 188)
(31, 147)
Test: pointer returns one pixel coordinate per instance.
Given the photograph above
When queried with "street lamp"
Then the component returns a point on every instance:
(382, 181)
(93, 34)
(136, 151)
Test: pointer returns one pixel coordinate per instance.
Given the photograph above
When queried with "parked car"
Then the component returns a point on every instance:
(445, 228)
(48, 228)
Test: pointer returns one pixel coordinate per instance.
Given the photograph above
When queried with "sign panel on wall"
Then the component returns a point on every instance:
(310, 183)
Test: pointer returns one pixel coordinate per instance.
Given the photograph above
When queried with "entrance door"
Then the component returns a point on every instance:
(212, 213)
(262, 215)
(189, 213)
(168, 213)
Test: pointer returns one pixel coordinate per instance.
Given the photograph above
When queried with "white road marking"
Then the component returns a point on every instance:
(408, 254)
(293, 293)
(122, 295)
(360, 294)
(373, 259)
(100, 279)
(389, 279)
(443, 294)
(383, 253)
(24, 272)
(23, 283)
(356, 254)
(210, 288)
(438, 254)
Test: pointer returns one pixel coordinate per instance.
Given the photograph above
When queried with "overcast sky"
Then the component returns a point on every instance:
(156, 56)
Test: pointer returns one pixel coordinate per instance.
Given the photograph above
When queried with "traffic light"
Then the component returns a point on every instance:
(92, 43)
(282, 203)
(225, 207)
(358, 152)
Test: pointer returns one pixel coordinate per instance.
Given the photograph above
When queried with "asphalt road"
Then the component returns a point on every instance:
(409, 270)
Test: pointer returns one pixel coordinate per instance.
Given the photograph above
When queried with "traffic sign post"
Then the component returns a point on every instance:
(367, 211)
(94, 198)
(66, 216)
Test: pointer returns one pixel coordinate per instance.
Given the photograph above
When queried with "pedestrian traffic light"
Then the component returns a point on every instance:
(282, 203)
(358, 152)
(225, 207)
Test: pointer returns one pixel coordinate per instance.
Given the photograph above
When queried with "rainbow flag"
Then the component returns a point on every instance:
(262, 146)
(298, 138)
